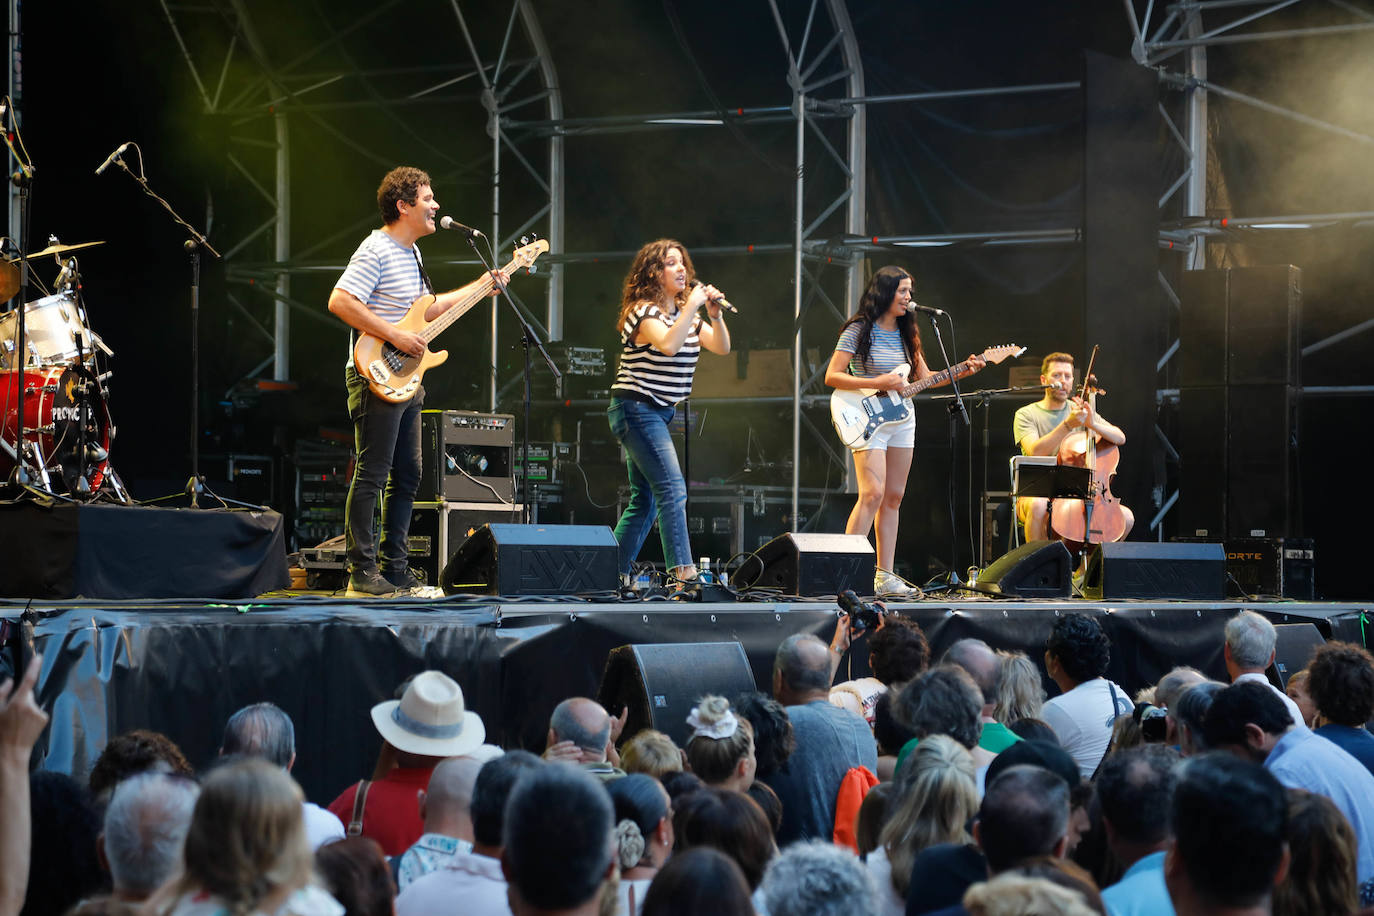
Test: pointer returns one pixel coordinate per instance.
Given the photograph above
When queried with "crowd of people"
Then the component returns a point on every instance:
(949, 787)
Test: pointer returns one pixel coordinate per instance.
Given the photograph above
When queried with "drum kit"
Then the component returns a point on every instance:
(58, 383)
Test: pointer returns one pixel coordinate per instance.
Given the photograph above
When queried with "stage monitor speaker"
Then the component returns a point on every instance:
(503, 559)
(1294, 644)
(1150, 569)
(808, 565)
(1037, 569)
(660, 683)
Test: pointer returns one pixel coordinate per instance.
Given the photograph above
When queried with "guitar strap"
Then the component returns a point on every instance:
(424, 277)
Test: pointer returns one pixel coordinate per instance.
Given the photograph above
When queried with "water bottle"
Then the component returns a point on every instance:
(704, 570)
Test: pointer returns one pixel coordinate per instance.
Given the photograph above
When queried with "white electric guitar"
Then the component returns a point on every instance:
(858, 413)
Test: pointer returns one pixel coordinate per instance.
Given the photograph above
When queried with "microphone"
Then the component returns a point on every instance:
(720, 300)
(928, 309)
(110, 161)
(449, 222)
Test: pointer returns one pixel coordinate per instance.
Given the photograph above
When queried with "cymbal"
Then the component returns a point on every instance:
(58, 249)
(9, 279)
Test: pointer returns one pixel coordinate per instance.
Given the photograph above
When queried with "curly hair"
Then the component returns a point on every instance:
(1321, 875)
(899, 651)
(135, 752)
(773, 737)
(1341, 682)
(715, 759)
(818, 878)
(400, 184)
(943, 701)
(877, 299)
(1081, 647)
(644, 282)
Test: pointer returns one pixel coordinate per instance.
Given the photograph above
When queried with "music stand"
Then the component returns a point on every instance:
(1051, 480)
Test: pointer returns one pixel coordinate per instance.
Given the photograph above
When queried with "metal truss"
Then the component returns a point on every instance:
(1176, 47)
(265, 100)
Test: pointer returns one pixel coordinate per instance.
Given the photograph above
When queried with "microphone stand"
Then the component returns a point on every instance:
(195, 486)
(957, 409)
(983, 398)
(527, 337)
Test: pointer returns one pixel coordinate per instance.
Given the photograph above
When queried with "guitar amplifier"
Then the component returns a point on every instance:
(437, 528)
(467, 456)
(1281, 567)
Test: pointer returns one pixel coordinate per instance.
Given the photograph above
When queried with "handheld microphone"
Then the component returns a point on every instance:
(449, 222)
(110, 161)
(720, 300)
(928, 309)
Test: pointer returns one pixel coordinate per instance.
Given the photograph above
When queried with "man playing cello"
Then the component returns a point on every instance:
(1041, 427)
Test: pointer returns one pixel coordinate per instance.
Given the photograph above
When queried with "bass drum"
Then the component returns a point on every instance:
(64, 413)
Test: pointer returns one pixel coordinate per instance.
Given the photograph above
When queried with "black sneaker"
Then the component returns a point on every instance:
(369, 584)
(404, 580)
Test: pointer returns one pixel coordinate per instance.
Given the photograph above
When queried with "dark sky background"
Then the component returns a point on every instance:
(97, 74)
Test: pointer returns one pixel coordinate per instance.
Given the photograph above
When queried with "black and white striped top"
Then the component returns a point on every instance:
(647, 373)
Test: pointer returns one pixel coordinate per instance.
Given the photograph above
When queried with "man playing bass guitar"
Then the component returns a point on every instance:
(383, 278)
(1041, 427)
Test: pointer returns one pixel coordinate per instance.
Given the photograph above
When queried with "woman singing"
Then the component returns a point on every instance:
(661, 336)
(874, 344)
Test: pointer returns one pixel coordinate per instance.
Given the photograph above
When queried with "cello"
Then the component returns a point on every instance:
(1102, 518)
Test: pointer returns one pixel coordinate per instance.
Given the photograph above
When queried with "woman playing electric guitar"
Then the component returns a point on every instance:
(879, 338)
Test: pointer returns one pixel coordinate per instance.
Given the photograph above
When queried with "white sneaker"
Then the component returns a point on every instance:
(888, 585)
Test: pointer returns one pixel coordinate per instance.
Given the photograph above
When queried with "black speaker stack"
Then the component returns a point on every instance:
(1239, 374)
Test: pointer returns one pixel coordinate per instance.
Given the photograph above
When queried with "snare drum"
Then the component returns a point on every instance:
(52, 328)
(60, 405)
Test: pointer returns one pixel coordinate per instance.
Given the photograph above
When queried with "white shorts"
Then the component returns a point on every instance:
(894, 435)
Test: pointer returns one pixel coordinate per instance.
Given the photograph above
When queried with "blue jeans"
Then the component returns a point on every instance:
(387, 439)
(655, 482)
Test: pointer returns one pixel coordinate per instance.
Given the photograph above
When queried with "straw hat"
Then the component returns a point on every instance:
(430, 718)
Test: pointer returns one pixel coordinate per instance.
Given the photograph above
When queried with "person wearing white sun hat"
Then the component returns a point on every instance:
(428, 723)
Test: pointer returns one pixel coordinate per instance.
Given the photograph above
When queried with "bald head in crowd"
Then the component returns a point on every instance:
(585, 723)
(801, 670)
(446, 803)
(977, 658)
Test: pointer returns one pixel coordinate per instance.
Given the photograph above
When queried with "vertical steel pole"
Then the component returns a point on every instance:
(1196, 203)
(282, 312)
(495, 128)
(800, 102)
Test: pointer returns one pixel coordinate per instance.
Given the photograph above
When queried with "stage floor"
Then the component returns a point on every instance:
(182, 667)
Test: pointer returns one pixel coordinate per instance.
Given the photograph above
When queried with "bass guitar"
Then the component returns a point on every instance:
(858, 413)
(395, 376)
